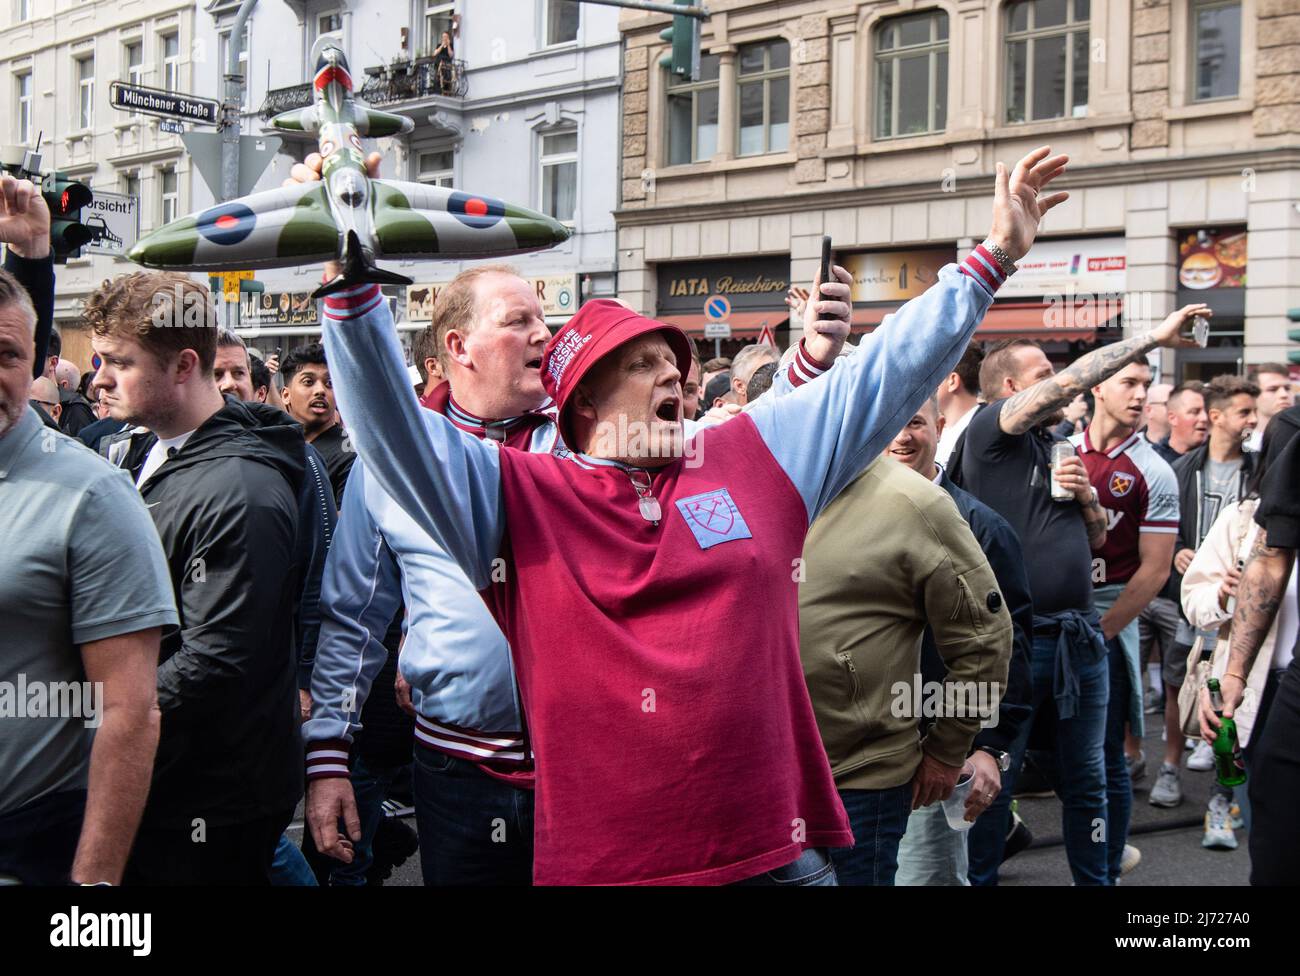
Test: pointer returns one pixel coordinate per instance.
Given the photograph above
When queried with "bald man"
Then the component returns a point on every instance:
(1156, 411)
(44, 396)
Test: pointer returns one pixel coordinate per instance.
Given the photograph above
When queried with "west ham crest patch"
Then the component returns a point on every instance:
(713, 517)
(1121, 484)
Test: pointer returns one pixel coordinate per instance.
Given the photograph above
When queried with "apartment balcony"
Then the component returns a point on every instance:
(421, 81)
(285, 99)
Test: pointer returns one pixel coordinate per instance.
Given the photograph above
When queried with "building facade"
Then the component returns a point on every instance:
(880, 124)
(525, 109)
(58, 59)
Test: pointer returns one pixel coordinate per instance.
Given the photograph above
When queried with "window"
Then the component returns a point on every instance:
(168, 199)
(1047, 59)
(693, 115)
(764, 97)
(85, 72)
(224, 52)
(171, 57)
(438, 17)
(561, 21)
(436, 168)
(24, 10)
(23, 116)
(133, 58)
(912, 75)
(329, 23)
(560, 175)
(131, 185)
(1216, 49)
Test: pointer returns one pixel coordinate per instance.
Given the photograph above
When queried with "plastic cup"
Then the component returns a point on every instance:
(954, 808)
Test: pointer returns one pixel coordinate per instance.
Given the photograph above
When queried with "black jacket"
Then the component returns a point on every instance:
(1191, 500)
(37, 277)
(77, 412)
(1002, 549)
(226, 508)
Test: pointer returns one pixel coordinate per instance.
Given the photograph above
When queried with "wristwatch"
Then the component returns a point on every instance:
(1003, 759)
(1005, 261)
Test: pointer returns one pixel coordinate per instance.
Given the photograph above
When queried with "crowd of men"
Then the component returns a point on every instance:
(601, 613)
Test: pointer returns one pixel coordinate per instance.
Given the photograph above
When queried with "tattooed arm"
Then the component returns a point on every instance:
(1027, 408)
(1262, 585)
(1258, 596)
(1094, 520)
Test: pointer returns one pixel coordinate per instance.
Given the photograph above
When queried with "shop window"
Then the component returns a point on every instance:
(912, 75)
(763, 95)
(1046, 59)
(693, 115)
(1216, 49)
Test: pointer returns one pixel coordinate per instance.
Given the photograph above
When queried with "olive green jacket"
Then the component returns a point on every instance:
(890, 555)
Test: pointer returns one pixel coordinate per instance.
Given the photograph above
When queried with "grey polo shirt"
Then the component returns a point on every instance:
(80, 561)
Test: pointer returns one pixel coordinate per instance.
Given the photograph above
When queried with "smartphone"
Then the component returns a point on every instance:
(1201, 330)
(826, 260)
(277, 351)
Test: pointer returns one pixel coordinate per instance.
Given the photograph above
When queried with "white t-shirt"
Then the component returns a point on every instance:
(159, 453)
(1287, 623)
(948, 439)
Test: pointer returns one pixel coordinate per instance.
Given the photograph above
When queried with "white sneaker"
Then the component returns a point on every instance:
(1218, 826)
(1190, 743)
(1130, 859)
(1202, 757)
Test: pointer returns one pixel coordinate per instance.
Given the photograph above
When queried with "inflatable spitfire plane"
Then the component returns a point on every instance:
(347, 216)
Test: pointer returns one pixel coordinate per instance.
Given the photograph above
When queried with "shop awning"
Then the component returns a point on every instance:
(1027, 320)
(744, 325)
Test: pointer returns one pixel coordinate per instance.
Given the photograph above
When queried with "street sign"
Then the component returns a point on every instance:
(153, 101)
(717, 308)
(717, 330)
(255, 152)
(114, 219)
(766, 337)
(172, 126)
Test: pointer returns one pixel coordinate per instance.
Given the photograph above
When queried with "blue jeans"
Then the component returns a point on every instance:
(474, 829)
(932, 854)
(1080, 751)
(811, 869)
(1119, 788)
(289, 867)
(370, 786)
(878, 819)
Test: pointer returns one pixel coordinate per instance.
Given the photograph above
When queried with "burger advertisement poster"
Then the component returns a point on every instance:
(1212, 259)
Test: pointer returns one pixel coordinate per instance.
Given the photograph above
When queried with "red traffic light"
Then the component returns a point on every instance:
(65, 197)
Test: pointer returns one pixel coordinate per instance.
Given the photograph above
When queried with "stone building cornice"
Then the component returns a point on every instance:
(1110, 174)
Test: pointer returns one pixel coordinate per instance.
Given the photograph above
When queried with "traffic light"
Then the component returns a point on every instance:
(65, 198)
(684, 36)
(1294, 335)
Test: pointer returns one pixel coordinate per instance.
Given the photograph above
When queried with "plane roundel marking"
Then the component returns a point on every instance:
(474, 211)
(228, 223)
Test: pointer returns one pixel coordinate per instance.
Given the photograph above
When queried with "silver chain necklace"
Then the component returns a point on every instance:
(646, 501)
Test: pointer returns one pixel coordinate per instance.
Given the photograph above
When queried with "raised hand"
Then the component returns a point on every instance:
(1018, 203)
(24, 218)
(1169, 333)
(826, 321)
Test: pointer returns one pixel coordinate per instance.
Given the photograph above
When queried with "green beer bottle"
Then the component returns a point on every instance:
(1229, 765)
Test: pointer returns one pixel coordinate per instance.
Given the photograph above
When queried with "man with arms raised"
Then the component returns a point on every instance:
(592, 562)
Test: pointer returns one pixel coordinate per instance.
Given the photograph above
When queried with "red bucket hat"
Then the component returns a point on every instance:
(600, 327)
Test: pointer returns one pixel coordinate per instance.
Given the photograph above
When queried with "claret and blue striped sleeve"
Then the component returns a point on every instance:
(447, 481)
(824, 434)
